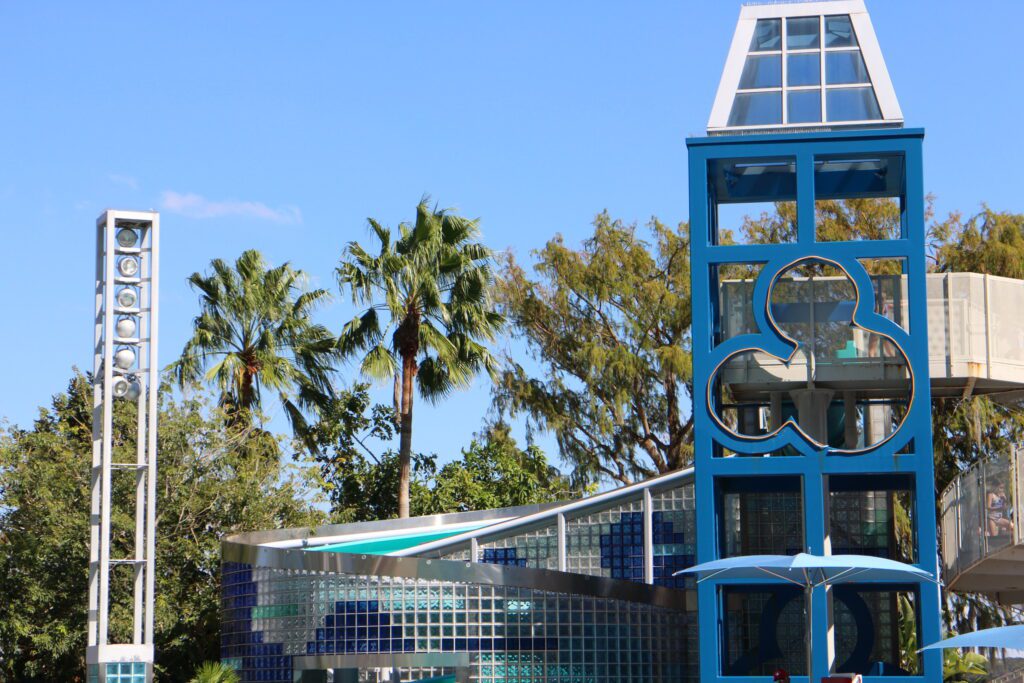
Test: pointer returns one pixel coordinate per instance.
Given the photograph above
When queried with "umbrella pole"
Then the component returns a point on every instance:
(810, 631)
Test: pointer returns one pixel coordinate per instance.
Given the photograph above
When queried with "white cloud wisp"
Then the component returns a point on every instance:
(194, 205)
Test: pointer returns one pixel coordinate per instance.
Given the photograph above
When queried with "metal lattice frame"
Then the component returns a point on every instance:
(131, 662)
(907, 452)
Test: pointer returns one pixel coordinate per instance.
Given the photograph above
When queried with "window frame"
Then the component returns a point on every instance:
(823, 87)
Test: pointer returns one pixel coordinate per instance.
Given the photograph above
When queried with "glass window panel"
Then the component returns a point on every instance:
(802, 33)
(803, 69)
(851, 104)
(872, 627)
(763, 630)
(767, 35)
(762, 71)
(845, 67)
(839, 32)
(756, 109)
(804, 106)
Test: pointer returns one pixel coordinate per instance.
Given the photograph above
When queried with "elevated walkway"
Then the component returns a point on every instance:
(975, 333)
(982, 539)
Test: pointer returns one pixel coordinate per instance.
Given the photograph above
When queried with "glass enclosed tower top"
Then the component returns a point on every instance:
(804, 66)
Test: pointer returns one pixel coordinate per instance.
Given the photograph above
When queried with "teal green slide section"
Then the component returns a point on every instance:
(390, 544)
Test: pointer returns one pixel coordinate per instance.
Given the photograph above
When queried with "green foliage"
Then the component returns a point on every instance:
(255, 332)
(495, 473)
(429, 307)
(352, 481)
(215, 672)
(963, 667)
(365, 489)
(609, 327)
(209, 485)
(989, 242)
(492, 473)
(857, 219)
(835, 220)
(910, 660)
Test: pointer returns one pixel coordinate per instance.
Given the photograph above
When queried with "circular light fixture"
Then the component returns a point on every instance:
(128, 266)
(126, 327)
(127, 298)
(126, 387)
(133, 390)
(124, 358)
(126, 237)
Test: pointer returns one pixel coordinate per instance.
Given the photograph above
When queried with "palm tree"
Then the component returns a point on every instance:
(215, 672)
(429, 304)
(254, 332)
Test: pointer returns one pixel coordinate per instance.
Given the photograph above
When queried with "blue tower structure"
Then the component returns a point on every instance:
(811, 379)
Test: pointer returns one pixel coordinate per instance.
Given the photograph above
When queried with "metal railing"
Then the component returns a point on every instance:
(1005, 670)
(981, 510)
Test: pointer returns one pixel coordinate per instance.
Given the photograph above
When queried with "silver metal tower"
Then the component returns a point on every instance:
(121, 556)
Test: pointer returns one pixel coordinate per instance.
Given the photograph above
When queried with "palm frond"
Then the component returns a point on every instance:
(360, 333)
(379, 363)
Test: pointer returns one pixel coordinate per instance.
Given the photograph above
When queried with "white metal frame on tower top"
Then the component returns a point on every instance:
(870, 50)
(139, 382)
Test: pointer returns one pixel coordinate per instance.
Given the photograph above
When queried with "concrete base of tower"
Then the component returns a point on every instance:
(119, 664)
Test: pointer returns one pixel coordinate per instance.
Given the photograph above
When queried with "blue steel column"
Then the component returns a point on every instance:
(917, 295)
(701, 223)
(813, 464)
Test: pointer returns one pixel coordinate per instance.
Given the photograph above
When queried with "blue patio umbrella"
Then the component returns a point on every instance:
(1004, 637)
(808, 572)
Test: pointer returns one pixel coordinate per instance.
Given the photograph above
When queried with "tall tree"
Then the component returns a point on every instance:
(609, 327)
(430, 306)
(255, 331)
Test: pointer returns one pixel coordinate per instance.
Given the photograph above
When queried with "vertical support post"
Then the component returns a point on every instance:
(850, 432)
(648, 508)
(988, 328)
(107, 426)
(948, 305)
(97, 445)
(152, 396)
(562, 563)
(805, 216)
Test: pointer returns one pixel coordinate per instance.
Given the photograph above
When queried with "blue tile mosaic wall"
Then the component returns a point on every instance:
(509, 633)
(360, 626)
(240, 644)
(504, 556)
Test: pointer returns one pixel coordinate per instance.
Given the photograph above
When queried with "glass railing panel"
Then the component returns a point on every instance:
(980, 512)
(950, 530)
(996, 496)
(1006, 300)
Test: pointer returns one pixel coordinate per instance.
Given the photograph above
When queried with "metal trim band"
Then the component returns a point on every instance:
(322, 533)
(453, 571)
(380, 660)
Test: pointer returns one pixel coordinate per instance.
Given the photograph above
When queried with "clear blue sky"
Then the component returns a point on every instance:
(282, 126)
